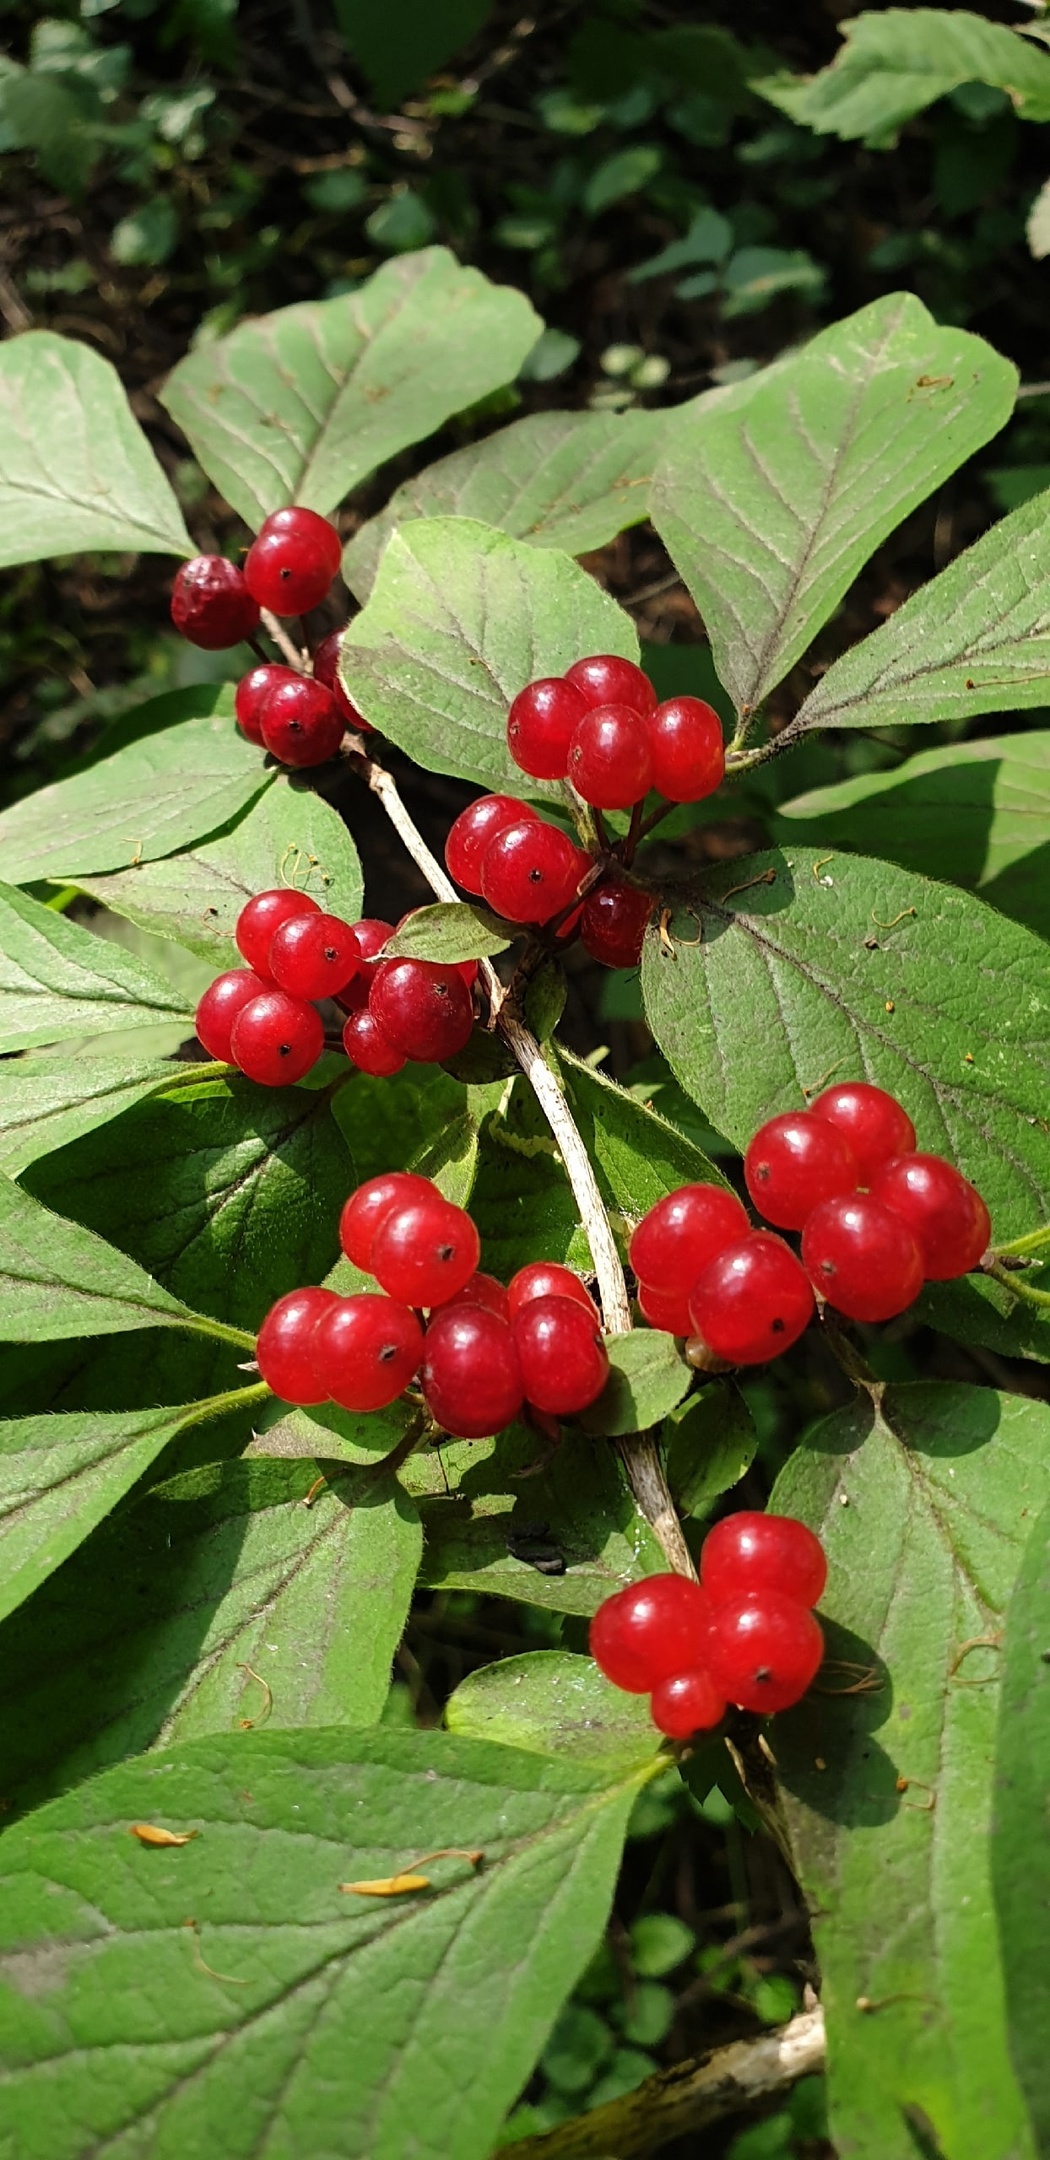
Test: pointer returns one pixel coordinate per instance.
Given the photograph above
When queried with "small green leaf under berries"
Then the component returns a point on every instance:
(710, 1441)
(553, 1704)
(448, 931)
(648, 1377)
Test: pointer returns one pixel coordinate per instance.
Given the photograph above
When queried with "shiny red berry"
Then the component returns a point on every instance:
(211, 604)
(763, 1650)
(371, 1204)
(793, 1163)
(609, 760)
(873, 1123)
(471, 1377)
(944, 1212)
(424, 1250)
(531, 871)
(292, 561)
(688, 1702)
(650, 1631)
(284, 1347)
(750, 1553)
(605, 679)
(475, 827)
(313, 956)
(368, 1048)
(482, 1290)
(613, 923)
(300, 722)
(262, 916)
(752, 1302)
(564, 1362)
(862, 1257)
(687, 750)
(682, 1232)
(366, 1349)
(326, 671)
(277, 1039)
(540, 724)
(252, 693)
(666, 1309)
(547, 1278)
(424, 1010)
(371, 935)
(218, 1009)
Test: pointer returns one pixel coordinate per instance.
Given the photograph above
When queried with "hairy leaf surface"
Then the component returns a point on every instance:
(58, 982)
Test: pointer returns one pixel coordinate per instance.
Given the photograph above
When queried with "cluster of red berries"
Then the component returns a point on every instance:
(744, 1634)
(600, 726)
(877, 1221)
(484, 1353)
(502, 851)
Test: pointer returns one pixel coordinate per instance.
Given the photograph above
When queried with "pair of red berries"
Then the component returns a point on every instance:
(702, 1271)
(744, 1634)
(300, 719)
(600, 726)
(288, 569)
(528, 871)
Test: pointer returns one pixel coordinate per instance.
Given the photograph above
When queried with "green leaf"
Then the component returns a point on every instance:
(289, 834)
(795, 979)
(772, 500)
(38, 112)
(460, 619)
(299, 406)
(522, 1201)
(326, 1432)
(44, 1103)
(355, 2024)
(974, 640)
(1018, 1825)
(975, 812)
(448, 931)
(552, 1703)
(76, 470)
(419, 1120)
(647, 1377)
(156, 1630)
(980, 1310)
(710, 1441)
(399, 52)
(622, 174)
(897, 61)
(57, 1279)
(563, 480)
(923, 1505)
(58, 982)
(637, 1154)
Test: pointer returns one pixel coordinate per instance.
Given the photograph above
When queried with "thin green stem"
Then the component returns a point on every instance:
(1016, 1284)
(1027, 1247)
(233, 1399)
(217, 1330)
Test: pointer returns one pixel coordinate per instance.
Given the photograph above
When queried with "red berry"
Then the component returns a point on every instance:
(424, 1010)
(688, 1702)
(368, 1048)
(686, 747)
(482, 1290)
(277, 1039)
(471, 832)
(371, 1204)
(752, 1302)
(251, 696)
(609, 760)
(650, 1631)
(471, 1377)
(862, 1257)
(547, 1278)
(371, 935)
(748, 1553)
(873, 1122)
(218, 1009)
(326, 671)
(313, 956)
(300, 722)
(944, 1212)
(262, 916)
(763, 1650)
(292, 561)
(793, 1163)
(211, 604)
(606, 680)
(284, 1345)
(531, 871)
(540, 724)
(366, 1349)
(564, 1362)
(682, 1233)
(613, 923)
(424, 1250)
(666, 1309)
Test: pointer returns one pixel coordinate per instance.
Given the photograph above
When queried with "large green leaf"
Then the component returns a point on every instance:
(637, 1154)
(301, 405)
(1020, 1859)
(647, 1379)
(553, 1704)
(796, 979)
(260, 2010)
(460, 619)
(180, 1614)
(45, 1102)
(58, 1279)
(897, 61)
(399, 51)
(58, 982)
(923, 1504)
(522, 1201)
(76, 470)
(771, 504)
(564, 480)
(420, 1120)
